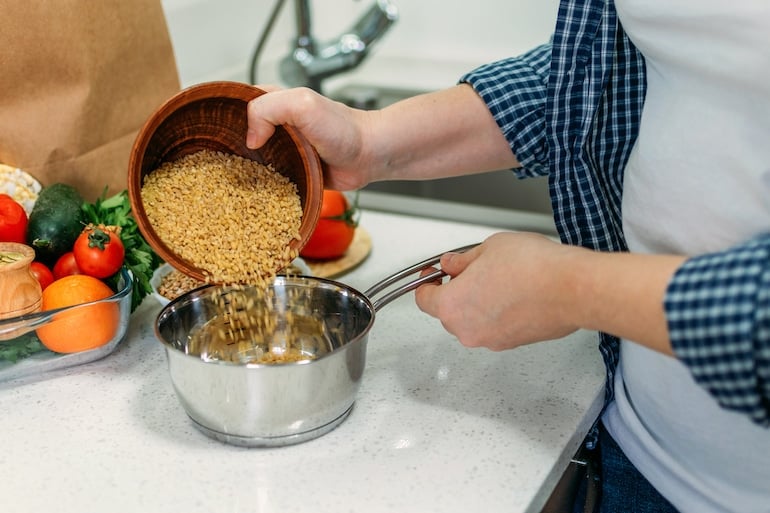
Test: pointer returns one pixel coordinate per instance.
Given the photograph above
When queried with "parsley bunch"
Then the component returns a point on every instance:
(20, 348)
(140, 259)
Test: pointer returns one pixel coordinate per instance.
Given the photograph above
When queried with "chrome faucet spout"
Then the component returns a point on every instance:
(375, 22)
(308, 65)
(304, 23)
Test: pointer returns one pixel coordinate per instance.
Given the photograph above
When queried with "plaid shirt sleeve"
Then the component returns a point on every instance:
(579, 128)
(718, 311)
(514, 90)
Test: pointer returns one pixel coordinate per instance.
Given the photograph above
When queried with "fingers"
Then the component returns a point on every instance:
(332, 128)
(440, 300)
(260, 128)
(277, 107)
(455, 263)
(429, 297)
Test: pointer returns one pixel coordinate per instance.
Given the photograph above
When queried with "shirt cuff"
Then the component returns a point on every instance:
(514, 90)
(718, 311)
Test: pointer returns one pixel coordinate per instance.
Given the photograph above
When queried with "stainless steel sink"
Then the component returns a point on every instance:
(497, 189)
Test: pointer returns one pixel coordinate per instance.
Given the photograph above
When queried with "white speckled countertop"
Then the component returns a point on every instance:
(435, 427)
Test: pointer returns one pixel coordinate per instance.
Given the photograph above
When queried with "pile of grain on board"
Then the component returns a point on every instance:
(176, 283)
(233, 217)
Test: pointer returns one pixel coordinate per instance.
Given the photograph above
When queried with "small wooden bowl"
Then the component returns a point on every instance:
(19, 289)
(212, 116)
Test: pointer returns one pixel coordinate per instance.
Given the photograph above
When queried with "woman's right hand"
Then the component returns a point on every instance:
(334, 129)
(434, 135)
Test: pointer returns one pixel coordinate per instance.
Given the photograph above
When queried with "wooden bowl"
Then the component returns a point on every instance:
(212, 116)
(19, 289)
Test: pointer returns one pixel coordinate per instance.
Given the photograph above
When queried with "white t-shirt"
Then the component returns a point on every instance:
(698, 180)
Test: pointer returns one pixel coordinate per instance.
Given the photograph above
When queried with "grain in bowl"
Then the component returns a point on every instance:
(235, 218)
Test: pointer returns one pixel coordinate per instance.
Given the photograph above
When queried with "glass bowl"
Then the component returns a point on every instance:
(20, 332)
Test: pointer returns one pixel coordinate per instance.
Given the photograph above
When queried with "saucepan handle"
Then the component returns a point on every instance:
(389, 295)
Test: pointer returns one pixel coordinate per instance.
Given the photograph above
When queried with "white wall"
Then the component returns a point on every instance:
(433, 42)
(431, 45)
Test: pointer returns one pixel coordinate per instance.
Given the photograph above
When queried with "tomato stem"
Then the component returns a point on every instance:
(98, 238)
(352, 215)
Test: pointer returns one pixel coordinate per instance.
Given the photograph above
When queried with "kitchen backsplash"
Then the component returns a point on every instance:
(434, 40)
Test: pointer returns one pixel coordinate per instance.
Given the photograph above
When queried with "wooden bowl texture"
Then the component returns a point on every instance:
(212, 116)
(19, 289)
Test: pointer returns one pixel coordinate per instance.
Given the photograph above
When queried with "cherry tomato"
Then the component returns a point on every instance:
(335, 229)
(42, 273)
(13, 220)
(65, 266)
(99, 252)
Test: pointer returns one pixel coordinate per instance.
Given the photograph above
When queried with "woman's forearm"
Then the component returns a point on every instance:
(623, 294)
(435, 135)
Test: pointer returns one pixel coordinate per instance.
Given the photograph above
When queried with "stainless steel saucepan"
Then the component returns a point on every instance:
(240, 402)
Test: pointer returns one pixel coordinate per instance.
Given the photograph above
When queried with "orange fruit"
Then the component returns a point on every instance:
(82, 328)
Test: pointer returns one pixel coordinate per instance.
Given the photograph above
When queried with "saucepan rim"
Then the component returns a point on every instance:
(376, 297)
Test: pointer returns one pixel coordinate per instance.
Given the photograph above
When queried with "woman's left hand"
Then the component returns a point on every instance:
(506, 292)
(519, 288)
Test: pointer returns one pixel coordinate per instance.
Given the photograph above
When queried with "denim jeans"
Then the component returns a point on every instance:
(623, 488)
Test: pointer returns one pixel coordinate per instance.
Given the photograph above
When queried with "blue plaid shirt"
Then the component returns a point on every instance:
(571, 109)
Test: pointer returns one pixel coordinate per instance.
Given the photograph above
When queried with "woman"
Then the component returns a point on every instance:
(651, 119)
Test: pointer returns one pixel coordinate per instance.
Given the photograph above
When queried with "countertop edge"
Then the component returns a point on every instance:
(570, 449)
(508, 219)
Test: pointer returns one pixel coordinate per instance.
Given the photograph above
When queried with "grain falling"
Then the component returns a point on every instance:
(235, 219)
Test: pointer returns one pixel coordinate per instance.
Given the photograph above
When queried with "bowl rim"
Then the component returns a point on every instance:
(225, 89)
(200, 294)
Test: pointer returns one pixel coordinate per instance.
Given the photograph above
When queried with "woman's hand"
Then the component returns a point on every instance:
(434, 135)
(334, 129)
(519, 288)
(506, 292)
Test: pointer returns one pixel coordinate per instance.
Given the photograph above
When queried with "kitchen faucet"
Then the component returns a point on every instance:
(309, 63)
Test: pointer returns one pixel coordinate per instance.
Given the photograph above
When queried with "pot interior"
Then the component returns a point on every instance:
(297, 319)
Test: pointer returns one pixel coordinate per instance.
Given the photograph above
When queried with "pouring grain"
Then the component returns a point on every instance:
(233, 217)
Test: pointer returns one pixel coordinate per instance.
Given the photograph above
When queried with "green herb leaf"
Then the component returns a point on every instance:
(140, 259)
(20, 347)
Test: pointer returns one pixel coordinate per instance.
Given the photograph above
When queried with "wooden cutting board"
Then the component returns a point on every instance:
(357, 252)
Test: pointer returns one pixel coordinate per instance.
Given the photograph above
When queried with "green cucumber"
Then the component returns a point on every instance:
(55, 222)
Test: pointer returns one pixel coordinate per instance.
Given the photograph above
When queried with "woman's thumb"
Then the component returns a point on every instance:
(454, 263)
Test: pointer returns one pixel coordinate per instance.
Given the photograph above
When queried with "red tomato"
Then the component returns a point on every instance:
(99, 252)
(335, 229)
(42, 273)
(66, 266)
(13, 220)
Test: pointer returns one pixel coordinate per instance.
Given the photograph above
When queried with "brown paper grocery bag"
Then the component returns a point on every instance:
(78, 78)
